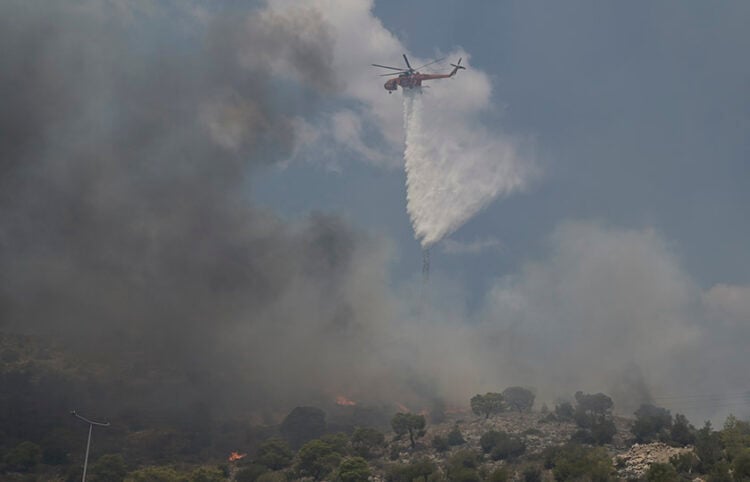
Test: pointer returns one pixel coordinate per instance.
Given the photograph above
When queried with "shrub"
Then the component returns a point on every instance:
(462, 466)
(682, 433)
(455, 437)
(501, 445)
(498, 475)
(317, 459)
(574, 462)
(155, 474)
(367, 441)
(251, 473)
(661, 473)
(440, 444)
(532, 473)
(207, 474)
(109, 468)
(24, 457)
(409, 472)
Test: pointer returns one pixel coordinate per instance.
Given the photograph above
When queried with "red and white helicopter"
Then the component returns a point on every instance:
(409, 78)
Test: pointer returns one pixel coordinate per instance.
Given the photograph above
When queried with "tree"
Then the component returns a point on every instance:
(274, 454)
(109, 468)
(440, 444)
(741, 465)
(250, 473)
(317, 459)
(487, 404)
(651, 423)
(564, 411)
(707, 447)
(353, 469)
(682, 433)
(366, 441)
(593, 404)
(519, 398)
(303, 424)
(410, 423)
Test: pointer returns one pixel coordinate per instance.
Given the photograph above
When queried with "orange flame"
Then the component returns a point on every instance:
(345, 402)
(401, 407)
(235, 456)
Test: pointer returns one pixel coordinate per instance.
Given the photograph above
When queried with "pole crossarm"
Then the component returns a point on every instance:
(92, 422)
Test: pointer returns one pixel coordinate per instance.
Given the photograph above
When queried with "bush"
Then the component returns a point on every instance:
(251, 473)
(367, 441)
(574, 462)
(685, 463)
(462, 466)
(519, 398)
(155, 474)
(353, 469)
(498, 475)
(741, 465)
(272, 477)
(24, 457)
(682, 433)
(564, 411)
(274, 454)
(455, 437)
(532, 473)
(410, 472)
(501, 445)
(207, 474)
(109, 468)
(440, 444)
(662, 473)
(403, 423)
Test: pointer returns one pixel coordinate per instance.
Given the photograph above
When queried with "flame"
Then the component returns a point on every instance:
(235, 456)
(345, 402)
(401, 407)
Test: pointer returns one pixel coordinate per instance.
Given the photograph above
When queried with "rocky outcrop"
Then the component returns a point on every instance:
(634, 463)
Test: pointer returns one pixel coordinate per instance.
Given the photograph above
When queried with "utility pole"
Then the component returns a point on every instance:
(88, 443)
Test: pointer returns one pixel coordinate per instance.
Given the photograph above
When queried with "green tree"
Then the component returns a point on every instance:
(564, 411)
(519, 398)
(487, 404)
(662, 473)
(501, 445)
(708, 447)
(275, 454)
(403, 423)
(272, 477)
(685, 463)
(302, 425)
(735, 436)
(682, 433)
(339, 442)
(651, 423)
(353, 469)
(462, 466)
(24, 457)
(207, 474)
(440, 444)
(155, 474)
(109, 468)
(317, 459)
(575, 462)
(455, 437)
(367, 441)
(741, 465)
(597, 404)
(417, 470)
(251, 473)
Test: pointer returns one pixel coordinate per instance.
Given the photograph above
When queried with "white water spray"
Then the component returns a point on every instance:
(454, 167)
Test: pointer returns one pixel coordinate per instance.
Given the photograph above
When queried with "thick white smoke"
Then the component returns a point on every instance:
(453, 169)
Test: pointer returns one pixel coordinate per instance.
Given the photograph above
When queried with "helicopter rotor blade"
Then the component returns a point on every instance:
(430, 63)
(407, 62)
(392, 73)
(386, 67)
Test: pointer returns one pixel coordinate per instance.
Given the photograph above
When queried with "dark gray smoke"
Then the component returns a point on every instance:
(125, 223)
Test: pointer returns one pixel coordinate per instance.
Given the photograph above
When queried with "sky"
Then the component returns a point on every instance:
(584, 182)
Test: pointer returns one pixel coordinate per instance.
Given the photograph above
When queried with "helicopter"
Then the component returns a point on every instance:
(410, 78)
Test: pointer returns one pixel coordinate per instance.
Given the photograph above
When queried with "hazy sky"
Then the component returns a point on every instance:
(229, 179)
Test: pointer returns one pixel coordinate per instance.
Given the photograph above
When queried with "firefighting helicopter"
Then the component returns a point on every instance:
(409, 77)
